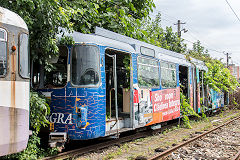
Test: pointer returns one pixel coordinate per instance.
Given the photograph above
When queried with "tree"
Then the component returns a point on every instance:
(151, 32)
(199, 52)
(44, 17)
(217, 77)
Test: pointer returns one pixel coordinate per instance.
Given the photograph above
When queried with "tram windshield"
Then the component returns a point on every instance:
(85, 65)
(24, 56)
(3, 52)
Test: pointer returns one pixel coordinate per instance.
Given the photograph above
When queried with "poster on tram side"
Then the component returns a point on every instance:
(167, 102)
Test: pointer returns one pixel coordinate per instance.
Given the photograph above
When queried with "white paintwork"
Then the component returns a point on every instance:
(47, 94)
(11, 18)
(99, 40)
(21, 94)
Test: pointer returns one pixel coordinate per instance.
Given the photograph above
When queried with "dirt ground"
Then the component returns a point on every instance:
(145, 147)
(221, 144)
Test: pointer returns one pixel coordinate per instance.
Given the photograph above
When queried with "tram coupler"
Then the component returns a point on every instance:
(57, 139)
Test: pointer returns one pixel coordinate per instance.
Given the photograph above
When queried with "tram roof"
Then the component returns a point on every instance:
(11, 18)
(114, 40)
(100, 40)
(160, 53)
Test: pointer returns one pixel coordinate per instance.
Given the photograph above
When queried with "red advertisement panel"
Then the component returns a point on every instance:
(135, 97)
(191, 95)
(167, 101)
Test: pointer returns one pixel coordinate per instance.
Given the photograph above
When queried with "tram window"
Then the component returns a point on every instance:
(57, 77)
(148, 73)
(23, 56)
(168, 75)
(85, 65)
(3, 52)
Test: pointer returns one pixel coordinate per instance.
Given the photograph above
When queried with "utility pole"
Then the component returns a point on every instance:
(227, 94)
(179, 28)
(227, 54)
(227, 60)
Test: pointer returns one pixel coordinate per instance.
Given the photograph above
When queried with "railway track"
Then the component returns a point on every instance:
(175, 148)
(101, 145)
(83, 150)
(77, 152)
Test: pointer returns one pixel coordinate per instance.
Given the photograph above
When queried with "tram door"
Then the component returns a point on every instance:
(198, 90)
(117, 76)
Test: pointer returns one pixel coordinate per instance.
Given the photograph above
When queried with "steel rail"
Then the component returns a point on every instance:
(91, 148)
(237, 157)
(167, 152)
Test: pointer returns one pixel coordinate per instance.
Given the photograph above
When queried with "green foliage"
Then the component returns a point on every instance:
(43, 18)
(217, 77)
(127, 17)
(39, 110)
(186, 110)
(199, 52)
(66, 40)
(150, 31)
(203, 110)
(234, 101)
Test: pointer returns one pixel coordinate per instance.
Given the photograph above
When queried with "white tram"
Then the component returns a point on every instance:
(14, 83)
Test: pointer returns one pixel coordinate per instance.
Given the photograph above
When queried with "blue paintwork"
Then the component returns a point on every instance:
(134, 67)
(217, 99)
(190, 74)
(90, 121)
(197, 73)
(177, 72)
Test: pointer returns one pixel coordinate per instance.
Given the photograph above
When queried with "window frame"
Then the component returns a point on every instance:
(7, 50)
(19, 56)
(159, 76)
(99, 66)
(64, 86)
(175, 68)
(150, 49)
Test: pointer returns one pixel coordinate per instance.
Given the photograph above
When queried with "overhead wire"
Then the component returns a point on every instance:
(233, 10)
(190, 29)
(169, 18)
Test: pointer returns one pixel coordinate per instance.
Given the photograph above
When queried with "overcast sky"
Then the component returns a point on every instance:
(210, 21)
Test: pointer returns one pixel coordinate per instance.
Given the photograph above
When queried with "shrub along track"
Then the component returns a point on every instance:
(191, 148)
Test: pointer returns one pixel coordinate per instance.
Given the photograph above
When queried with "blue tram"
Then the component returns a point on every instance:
(107, 83)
